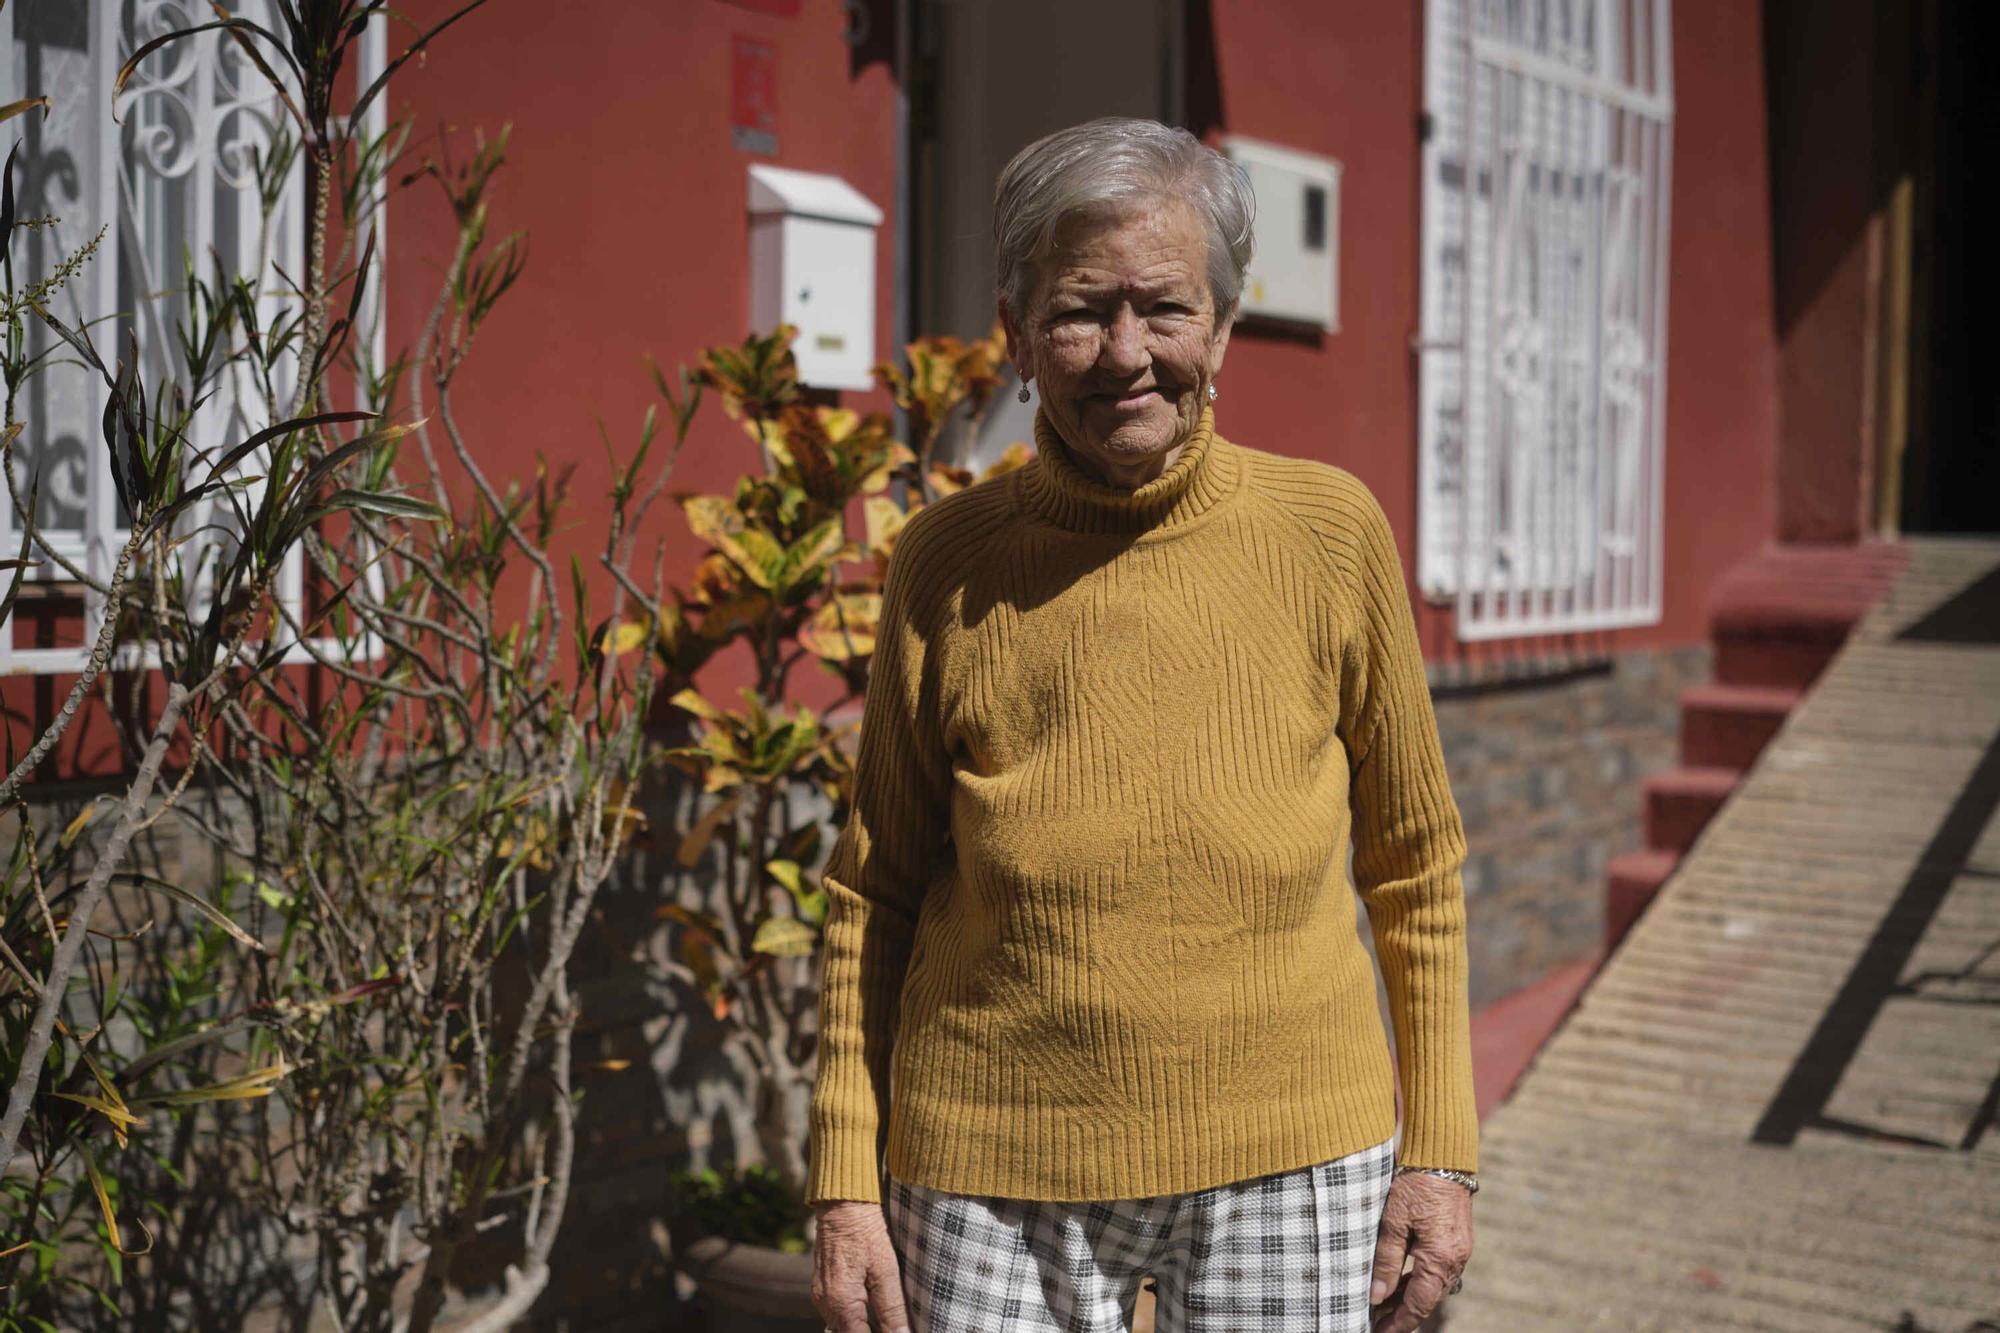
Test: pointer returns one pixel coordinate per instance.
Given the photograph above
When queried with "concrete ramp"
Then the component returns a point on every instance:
(1775, 1108)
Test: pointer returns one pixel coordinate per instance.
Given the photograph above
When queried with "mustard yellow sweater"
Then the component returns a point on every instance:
(1090, 932)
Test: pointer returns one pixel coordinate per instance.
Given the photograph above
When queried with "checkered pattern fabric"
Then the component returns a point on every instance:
(1283, 1253)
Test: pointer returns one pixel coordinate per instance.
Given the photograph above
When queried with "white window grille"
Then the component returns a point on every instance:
(172, 176)
(1542, 354)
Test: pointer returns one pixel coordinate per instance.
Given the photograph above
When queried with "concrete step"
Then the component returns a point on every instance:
(1632, 880)
(1727, 726)
(1681, 801)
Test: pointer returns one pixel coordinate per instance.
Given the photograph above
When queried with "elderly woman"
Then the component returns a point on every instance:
(1094, 995)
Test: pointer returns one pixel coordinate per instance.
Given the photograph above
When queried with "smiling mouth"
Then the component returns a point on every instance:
(1129, 397)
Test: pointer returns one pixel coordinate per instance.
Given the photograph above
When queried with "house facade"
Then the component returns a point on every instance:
(1521, 269)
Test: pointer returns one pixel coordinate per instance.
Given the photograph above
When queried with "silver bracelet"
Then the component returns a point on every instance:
(1465, 1178)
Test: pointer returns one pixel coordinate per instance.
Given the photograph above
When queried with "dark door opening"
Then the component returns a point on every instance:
(1951, 463)
(989, 78)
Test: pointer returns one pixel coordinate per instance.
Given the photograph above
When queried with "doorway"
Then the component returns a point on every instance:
(1951, 462)
(989, 78)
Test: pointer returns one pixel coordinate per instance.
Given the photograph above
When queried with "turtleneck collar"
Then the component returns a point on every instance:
(1056, 487)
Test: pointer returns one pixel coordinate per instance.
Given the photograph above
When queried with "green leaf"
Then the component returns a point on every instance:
(383, 502)
(115, 1112)
(806, 555)
(133, 62)
(202, 905)
(812, 901)
(104, 1205)
(283, 428)
(812, 907)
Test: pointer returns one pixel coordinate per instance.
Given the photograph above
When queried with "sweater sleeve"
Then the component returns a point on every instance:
(875, 877)
(1409, 850)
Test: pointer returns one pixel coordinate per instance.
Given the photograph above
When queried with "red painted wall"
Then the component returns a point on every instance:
(622, 171)
(1722, 353)
(1346, 81)
(1828, 260)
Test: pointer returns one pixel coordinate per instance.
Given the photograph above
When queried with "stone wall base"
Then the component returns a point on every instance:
(1549, 773)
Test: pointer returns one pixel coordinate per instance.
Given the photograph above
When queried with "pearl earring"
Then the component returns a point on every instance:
(1024, 391)
(1211, 393)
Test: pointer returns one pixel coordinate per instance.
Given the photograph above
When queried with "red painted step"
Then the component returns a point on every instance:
(1778, 618)
(1634, 879)
(1507, 1033)
(1681, 801)
(1767, 661)
(1728, 726)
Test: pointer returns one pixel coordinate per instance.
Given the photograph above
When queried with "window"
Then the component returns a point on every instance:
(173, 174)
(1541, 394)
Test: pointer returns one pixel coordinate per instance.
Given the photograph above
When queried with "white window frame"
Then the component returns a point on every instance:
(1542, 352)
(162, 169)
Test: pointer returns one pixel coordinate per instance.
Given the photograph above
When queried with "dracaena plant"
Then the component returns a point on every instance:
(433, 813)
(93, 1053)
(790, 574)
(313, 1082)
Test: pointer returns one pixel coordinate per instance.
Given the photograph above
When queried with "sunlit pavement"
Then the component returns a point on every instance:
(1775, 1106)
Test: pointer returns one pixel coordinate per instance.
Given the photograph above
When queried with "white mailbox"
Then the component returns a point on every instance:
(812, 265)
(1295, 275)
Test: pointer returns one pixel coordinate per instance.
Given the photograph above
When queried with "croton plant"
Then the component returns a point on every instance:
(786, 576)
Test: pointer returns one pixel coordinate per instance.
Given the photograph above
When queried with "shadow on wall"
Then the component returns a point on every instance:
(1203, 90)
(871, 36)
(1834, 160)
(1876, 113)
(662, 1087)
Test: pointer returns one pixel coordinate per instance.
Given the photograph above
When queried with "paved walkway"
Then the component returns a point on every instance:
(1775, 1108)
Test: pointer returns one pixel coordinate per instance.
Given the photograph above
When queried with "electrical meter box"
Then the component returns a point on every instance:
(812, 265)
(1295, 275)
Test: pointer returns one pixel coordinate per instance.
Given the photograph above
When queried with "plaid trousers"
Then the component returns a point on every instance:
(1289, 1252)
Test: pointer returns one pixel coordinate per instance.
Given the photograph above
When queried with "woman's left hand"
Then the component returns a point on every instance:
(1429, 1219)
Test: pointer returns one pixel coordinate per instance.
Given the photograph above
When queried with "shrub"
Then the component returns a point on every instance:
(775, 578)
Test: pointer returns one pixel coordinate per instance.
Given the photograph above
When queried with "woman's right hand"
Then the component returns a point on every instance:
(855, 1273)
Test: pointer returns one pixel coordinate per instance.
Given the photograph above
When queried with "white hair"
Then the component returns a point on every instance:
(1117, 164)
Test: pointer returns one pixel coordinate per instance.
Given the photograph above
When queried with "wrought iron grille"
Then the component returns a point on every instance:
(1541, 389)
(173, 179)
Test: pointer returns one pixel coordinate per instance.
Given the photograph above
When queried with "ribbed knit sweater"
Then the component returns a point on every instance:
(1091, 933)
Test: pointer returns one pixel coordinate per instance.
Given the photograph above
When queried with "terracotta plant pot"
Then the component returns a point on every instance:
(752, 1288)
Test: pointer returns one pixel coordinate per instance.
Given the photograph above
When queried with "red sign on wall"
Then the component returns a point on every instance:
(753, 96)
(784, 9)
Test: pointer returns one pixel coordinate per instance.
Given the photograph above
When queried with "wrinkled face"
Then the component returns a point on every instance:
(1121, 337)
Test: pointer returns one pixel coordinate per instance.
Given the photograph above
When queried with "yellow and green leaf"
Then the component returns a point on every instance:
(784, 937)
